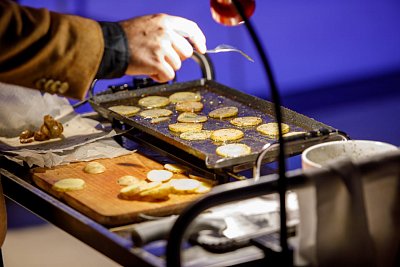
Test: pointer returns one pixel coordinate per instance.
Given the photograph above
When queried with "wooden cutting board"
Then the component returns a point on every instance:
(99, 199)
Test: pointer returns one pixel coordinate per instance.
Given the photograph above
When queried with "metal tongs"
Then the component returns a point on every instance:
(228, 48)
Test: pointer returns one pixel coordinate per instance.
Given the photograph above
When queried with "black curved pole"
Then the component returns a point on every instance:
(276, 99)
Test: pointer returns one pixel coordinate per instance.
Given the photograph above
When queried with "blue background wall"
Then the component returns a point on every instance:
(337, 61)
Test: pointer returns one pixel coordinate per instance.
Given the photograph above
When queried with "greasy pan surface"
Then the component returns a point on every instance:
(214, 95)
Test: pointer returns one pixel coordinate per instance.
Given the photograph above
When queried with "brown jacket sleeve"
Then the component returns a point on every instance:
(48, 51)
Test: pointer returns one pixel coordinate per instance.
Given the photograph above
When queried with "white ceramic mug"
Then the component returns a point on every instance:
(319, 156)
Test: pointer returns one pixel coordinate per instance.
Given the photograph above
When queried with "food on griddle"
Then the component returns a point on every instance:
(160, 119)
(246, 121)
(48, 130)
(159, 175)
(128, 180)
(191, 117)
(125, 110)
(233, 150)
(94, 167)
(181, 127)
(176, 168)
(184, 97)
(184, 186)
(155, 113)
(154, 101)
(225, 112)
(196, 135)
(227, 134)
(69, 184)
(189, 106)
(271, 129)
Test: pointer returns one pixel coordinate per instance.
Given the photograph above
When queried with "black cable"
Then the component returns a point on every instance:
(276, 99)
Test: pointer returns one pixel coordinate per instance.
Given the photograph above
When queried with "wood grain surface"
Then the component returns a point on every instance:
(99, 199)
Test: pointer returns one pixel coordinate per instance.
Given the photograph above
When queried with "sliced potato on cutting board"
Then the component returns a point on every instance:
(128, 180)
(69, 184)
(94, 167)
(159, 175)
(176, 168)
(184, 185)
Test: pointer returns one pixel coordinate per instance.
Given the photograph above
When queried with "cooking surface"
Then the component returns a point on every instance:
(214, 96)
(99, 199)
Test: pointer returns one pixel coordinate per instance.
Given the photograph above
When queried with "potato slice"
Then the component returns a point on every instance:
(160, 119)
(94, 167)
(130, 191)
(69, 184)
(155, 113)
(128, 180)
(157, 193)
(184, 185)
(189, 106)
(203, 188)
(159, 175)
(233, 150)
(184, 97)
(271, 129)
(196, 135)
(224, 112)
(228, 134)
(181, 127)
(246, 121)
(191, 117)
(125, 110)
(176, 168)
(154, 101)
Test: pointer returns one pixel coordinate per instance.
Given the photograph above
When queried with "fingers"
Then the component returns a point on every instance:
(190, 30)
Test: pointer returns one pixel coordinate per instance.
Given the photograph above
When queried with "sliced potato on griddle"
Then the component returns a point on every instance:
(69, 184)
(196, 135)
(233, 150)
(189, 106)
(227, 134)
(225, 112)
(155, 113)
(181, 127)
(154, 101)
(191, 117)
(184, 97)
(271, 129)
(246, 121)
(125, 110)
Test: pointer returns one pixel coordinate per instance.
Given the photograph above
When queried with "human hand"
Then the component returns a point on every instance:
(159, 43)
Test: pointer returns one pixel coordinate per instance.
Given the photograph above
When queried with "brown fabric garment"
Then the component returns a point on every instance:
(37, 44)
(3, 217)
